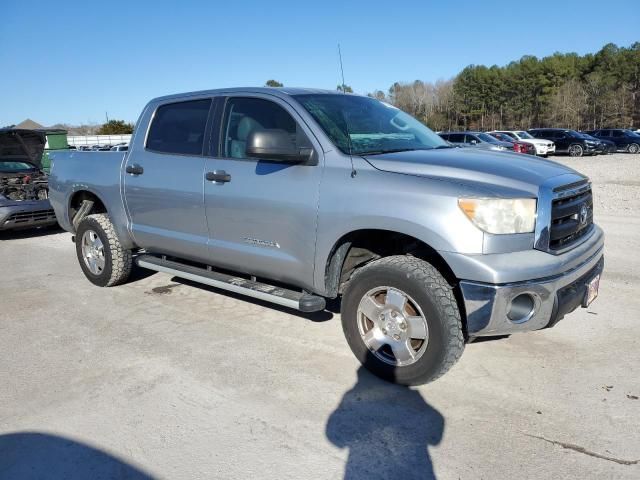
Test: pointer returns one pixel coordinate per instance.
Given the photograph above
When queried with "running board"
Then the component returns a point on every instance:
(304, 302)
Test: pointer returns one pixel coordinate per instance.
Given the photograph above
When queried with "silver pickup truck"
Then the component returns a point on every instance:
(295, 196)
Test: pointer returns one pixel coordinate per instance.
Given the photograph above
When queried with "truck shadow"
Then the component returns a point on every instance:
(322, 316)
(387, 429)
(35, 455)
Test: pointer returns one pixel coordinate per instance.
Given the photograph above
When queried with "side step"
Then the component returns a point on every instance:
(304, 302)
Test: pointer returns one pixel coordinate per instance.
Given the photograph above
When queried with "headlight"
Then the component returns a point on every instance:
(501, 215)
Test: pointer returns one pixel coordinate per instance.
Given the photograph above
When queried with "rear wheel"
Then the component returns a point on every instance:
(402, 321)
(102, 258)
(633, 148)
(576, 150)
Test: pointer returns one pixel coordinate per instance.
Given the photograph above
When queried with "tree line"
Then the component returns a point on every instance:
(562, 90)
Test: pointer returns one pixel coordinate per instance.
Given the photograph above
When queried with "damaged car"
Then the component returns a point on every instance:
(24, 187)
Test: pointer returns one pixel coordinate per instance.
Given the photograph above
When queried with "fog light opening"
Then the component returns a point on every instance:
(522, 308)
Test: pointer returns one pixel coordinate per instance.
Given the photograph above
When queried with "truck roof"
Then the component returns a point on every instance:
(278, 91)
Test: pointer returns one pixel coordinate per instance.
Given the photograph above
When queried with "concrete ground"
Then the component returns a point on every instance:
(160, 378)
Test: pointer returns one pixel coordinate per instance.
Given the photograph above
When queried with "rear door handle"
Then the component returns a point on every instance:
(134, 169)
(219, 176)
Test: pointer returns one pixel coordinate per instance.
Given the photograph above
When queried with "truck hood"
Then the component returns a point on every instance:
(22, 146)
(497, 172)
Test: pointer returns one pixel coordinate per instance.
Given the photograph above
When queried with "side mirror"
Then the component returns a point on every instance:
(474, 142)
(277, 145)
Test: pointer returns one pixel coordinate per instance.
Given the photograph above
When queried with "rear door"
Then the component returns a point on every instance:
(619, 138)
(262, 214)
(163, 180)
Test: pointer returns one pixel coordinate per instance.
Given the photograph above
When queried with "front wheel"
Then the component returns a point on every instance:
(576, 151)
(401, 320)
(633, 148)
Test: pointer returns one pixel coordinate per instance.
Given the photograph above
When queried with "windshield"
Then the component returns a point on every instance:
(15, 166)
(363, 125)
(523, 134)
(631, 133)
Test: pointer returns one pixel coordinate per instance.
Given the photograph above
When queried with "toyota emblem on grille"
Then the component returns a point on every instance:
(584, 214)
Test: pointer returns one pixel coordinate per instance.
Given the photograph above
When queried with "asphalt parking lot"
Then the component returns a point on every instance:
(167, 379)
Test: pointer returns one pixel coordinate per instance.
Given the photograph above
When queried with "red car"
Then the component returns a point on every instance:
(518, 147)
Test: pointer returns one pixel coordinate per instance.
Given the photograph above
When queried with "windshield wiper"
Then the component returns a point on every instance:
(389, 150)
(443, 146)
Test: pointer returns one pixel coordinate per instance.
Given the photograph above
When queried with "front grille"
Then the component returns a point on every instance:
(30, 217)
(571, 215)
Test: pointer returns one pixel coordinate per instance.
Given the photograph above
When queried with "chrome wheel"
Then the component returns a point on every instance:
(634, 148)
(392, 326)
(575, 150)
(93, 252)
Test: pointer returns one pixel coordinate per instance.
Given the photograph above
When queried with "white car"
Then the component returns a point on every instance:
(543, 147)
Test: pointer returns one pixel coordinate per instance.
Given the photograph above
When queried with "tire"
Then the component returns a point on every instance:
(429, 300)
(633, 148)
(576, 150)
(102, 258)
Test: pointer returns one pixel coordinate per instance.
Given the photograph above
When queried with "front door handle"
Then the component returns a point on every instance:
(219, 176)
(134, 169)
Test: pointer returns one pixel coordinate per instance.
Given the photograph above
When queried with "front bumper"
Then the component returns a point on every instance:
(544, 150)
(35, 213)
(590, 149)
(489, 306)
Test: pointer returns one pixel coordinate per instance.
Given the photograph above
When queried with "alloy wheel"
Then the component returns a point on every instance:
(93, 252)
(575, 151)
(392, 326)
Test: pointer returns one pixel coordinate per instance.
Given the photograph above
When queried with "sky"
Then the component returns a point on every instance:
(76, 62)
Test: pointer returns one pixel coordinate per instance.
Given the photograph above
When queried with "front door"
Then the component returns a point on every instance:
(262, 214)
(163, 181)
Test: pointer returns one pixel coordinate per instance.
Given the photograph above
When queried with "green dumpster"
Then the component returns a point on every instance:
(56, 140)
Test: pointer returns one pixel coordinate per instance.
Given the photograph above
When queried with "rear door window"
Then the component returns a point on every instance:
(179, 128)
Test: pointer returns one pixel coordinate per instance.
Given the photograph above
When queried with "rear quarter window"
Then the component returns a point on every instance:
(179, 127)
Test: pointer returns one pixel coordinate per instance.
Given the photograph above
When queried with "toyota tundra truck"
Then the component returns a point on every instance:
(298, 196)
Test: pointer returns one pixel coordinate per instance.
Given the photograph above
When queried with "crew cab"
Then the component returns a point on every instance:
(296, 196)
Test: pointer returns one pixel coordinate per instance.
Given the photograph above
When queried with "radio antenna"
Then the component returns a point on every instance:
(341, 69)
(354, 172)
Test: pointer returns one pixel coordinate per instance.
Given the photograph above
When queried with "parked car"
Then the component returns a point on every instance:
(604, 146)
(518, 147)
(542, 147)
(476, 140)
(293, 196)
(567, 141)
(119, 148)
(24, 187)
(625, 140)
